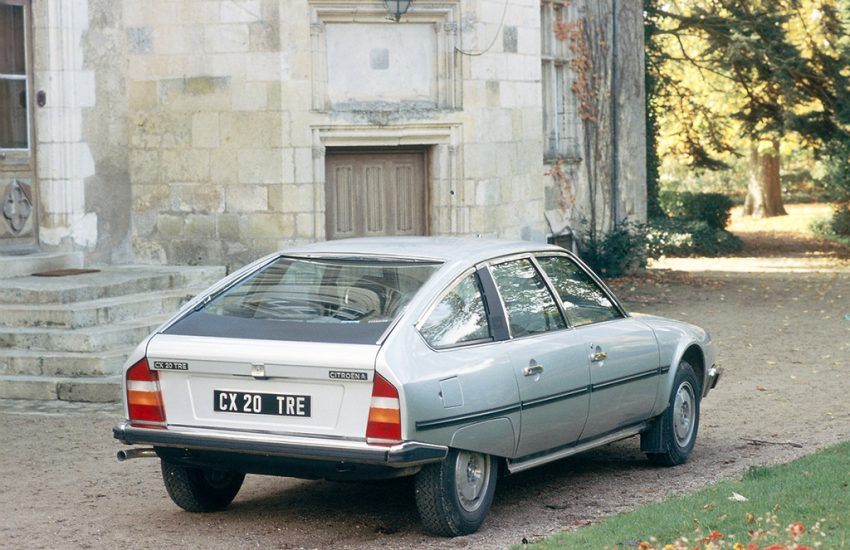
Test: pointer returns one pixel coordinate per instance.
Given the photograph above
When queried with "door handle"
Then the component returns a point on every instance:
(598, 356)
(531, 370)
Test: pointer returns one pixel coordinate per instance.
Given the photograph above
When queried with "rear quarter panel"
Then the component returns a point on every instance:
(465, 397)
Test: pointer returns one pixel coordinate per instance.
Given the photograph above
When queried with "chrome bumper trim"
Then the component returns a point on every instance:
(403, 455)
(713, 377)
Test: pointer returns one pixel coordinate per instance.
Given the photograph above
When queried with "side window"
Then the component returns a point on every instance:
(584, 300)
(530, 306)
(460, 317)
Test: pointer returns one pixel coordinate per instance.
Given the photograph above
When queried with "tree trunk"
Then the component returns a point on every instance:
(764, 192)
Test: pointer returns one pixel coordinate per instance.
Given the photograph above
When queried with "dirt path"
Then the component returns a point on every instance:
(784, 338)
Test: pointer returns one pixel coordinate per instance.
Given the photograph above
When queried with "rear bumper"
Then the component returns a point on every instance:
(404, 455)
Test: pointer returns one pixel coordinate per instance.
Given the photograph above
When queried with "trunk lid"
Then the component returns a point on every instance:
(281, 387)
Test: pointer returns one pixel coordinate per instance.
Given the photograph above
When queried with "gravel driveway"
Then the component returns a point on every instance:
(784, 341)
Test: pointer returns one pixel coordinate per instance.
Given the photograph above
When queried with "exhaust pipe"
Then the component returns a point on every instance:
(135, 453)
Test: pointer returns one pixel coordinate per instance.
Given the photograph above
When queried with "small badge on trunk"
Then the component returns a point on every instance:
(347, 375)
(170, 365)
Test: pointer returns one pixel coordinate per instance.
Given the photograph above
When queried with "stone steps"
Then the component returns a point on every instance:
(93, 389)
(67, 338)
(63, 363)
(89, 339)
(110, 282)
(93, 312)
(22, 264)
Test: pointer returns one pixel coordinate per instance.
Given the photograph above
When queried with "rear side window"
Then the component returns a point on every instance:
(584, 300)
(312, 299)
(459, 318)
(530, 306)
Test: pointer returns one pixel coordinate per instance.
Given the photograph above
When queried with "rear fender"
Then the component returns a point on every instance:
(493, 437)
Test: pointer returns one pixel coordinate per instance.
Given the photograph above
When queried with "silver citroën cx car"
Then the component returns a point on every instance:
(450, 360)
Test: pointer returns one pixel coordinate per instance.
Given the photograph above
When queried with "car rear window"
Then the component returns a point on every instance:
(312, 299)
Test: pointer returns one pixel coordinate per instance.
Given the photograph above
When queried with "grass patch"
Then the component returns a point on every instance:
(814, 491)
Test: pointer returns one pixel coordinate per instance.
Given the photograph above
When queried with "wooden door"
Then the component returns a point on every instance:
(375, 194)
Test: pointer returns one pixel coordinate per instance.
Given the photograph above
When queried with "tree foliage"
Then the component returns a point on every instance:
(738, 72)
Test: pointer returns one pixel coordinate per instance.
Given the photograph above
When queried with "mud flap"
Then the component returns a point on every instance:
(651, 440)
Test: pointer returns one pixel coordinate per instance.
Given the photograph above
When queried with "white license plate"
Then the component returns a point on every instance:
(275, 404)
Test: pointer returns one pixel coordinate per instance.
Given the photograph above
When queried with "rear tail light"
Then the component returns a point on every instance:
(384, 426)
(144, 398)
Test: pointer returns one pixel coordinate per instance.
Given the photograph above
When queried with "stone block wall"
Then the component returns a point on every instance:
(212, 170)
(229, 123)
(503, 136)
(196, 131)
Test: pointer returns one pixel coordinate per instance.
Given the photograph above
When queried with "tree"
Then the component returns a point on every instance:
(651, 86)
(753, 68)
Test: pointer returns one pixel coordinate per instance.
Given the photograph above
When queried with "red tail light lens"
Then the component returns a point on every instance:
(144, 397)
(384, 426)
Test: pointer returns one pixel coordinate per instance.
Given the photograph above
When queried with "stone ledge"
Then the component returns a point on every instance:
(105, 389)
(27, 264)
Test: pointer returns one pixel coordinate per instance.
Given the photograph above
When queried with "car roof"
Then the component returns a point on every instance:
(445, 249)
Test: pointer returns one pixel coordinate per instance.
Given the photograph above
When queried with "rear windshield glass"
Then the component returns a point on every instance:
(308, 299)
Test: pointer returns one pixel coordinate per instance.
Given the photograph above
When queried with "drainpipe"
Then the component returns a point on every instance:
(615, 154)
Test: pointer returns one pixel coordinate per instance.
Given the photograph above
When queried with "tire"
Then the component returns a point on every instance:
(454, 496)
(200, 489)
(679, 424)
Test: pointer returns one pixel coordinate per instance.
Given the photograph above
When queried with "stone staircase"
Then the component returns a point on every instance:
(68, 337)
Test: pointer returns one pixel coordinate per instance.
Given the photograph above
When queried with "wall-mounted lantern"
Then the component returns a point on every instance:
(397, 8)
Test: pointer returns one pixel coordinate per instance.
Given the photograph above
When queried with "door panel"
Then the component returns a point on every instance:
(552, 374)
(549, 362)
(374, 199)
(372, 194)
(624, 374)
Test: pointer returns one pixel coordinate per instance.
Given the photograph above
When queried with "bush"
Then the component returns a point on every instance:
(711, 208)
(840, 222)
(680, 237)
(836, 180)
(617, 252)
(836, 228)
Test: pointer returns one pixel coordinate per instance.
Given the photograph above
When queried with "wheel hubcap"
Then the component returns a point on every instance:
(684, 412)
(472, 475)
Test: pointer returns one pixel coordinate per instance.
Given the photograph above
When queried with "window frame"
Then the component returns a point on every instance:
(20, 154)
(482, 290)
(561, 125)
(624, 314)
(546, 281)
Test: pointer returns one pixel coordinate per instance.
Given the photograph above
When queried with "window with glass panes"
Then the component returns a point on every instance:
(14, 118)
(561, 124)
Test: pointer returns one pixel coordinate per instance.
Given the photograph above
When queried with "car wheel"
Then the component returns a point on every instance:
(454, 496)
(679, 424)
(200, 489)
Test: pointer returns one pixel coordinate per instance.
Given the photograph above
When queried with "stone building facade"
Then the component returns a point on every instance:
(215, 131)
